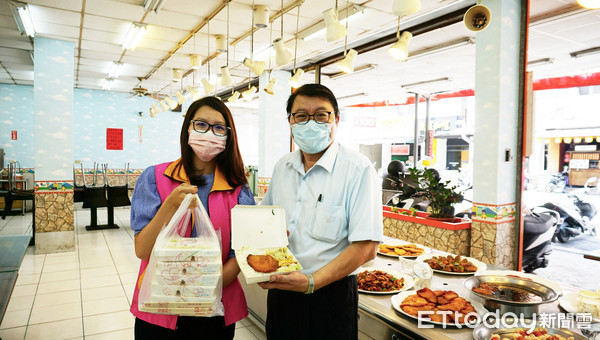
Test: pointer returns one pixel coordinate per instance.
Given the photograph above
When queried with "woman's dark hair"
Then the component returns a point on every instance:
(230, 160)
(313, 90)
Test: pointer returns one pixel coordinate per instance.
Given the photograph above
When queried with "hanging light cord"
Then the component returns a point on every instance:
(398, 30)
(227, 38)
(296, 43)
(346, 37)
(282, 20)
(251, 44)
(208, 50)
(270, 49)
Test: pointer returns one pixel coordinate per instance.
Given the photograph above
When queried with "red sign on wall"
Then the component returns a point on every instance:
(402, 150)
(13, 135)
(430, 144)
(114, 139)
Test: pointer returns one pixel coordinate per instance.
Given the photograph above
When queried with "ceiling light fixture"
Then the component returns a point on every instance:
(249, 93)
(282, 54)
(335, 29)
(115, 70)
(347, 65)
(586, 52)
(220, 43)
(177, 74)
(270, 88)
(353, 95)
(359, 69)
(256, 66)
(320, 29)
(171, 102)
(163, 105)
(134, 35)
(426, 82)
(261, 16)
(226, 78)
(540, 62)
(22, 16)
(208, 87)
(234, 97)
(399, 50)
(108, 84)
(591, 4)
(180, 97)
(403, 8)
(153, 5)
(195, 61)
(296, 80)
(442, 47)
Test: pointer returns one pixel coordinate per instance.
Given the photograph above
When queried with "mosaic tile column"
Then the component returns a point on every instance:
(273, 128)
(53, 127)
(495, 143)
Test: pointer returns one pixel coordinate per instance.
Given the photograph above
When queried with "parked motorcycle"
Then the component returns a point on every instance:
(399, 188)
(538, 231)
(576, 214)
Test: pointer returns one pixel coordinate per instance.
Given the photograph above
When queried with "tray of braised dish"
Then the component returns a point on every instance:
(510, 290)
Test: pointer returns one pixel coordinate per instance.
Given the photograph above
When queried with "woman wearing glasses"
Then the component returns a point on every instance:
(211, 166)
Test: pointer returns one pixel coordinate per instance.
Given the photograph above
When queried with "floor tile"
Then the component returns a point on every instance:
(27, 279)
(100, 281)
(20, 303)
(109, 322)
(17, 333)
(60, 276)
(24, 290)
(128, 277)
(102, 292)
(61, 259)
(257, 332)
(107, 305)
(60, 267)
(64, 329)
(58, 286)
(16, 318)
(91, 273)
(243, 334)
(55, 313)
(124, 334)
(51, 299)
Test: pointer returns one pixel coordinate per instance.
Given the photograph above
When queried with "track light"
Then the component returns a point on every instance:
(427, 82)
(172, 103)
(208, 87)
(270, 88)
(153, 5)
(108, 84)
(318, 29)
(234, 97)
(347, 65)
(400, 49)
(282, 54)
(335, 30)
(256, 66)
(359, 69)
(249, 93)
(586, 52)
(177, 74)
(115, 70)
(152, 112)
(220, 43)
(261, 16)
(226, 78)
(134, 35)
(403, 8)
(296, 80)
(22, 16)
(195, 61)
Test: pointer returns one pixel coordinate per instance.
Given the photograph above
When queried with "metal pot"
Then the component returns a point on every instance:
(495, 303)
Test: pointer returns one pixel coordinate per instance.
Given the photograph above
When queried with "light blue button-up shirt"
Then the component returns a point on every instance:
(335, 203)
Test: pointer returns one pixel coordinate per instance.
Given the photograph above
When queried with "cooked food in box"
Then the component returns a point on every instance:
(257, 264)
(263, 263)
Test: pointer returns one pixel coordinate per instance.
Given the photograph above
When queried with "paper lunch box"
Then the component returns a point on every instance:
(188, 280)
(259, 230)
(183, 291)
(185, 249)
(185, 268)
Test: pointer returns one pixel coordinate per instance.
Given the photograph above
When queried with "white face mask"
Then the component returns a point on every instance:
(206, 145)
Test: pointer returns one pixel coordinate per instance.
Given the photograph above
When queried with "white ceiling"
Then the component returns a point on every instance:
(98, 27)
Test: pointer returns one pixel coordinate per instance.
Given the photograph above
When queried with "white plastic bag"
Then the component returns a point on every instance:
(185, 273)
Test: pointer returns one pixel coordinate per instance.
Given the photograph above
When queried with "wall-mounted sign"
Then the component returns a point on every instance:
(114, 139)
(401, 150)
(579, 164)
(430, 144)
(13, 135)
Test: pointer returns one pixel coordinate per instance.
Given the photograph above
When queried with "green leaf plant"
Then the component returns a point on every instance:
(441, 195)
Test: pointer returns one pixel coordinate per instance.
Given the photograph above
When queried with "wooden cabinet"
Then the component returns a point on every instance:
(579, 176)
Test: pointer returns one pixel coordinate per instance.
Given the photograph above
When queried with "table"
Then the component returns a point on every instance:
(24, 204)
(12, 252)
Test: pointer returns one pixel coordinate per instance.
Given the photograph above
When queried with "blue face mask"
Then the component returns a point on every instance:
(312, 137)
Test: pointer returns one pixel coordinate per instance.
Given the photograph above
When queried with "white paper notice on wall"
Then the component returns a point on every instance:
(579, 163)
(140, 128)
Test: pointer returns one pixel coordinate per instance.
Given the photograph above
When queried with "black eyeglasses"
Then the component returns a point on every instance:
(202, 126)
(321, 117)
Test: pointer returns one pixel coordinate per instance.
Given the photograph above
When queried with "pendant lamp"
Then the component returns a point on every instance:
(347, 65)
(256, 66)
(403, 8)
(261, 16)
(220, 43)
(270, 88)
(172, 103)
(192, 90)
(156, 109)
(226, 78)
(296, 80)
(400, 49)
(152, 113)
(180, 97)
(234, 97)
(335, 30)
(177, 74)
(163, 105)
(282, 54)
(249, 93)
(208, 87)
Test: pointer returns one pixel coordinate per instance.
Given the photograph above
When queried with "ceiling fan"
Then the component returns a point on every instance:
(140, 91)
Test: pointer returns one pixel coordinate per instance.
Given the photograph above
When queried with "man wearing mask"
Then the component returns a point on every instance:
(332, 201)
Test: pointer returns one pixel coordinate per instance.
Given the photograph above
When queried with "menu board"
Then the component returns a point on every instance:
(114, 139)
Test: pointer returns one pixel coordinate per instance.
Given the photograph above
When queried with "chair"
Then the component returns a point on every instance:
(78, 190)
(118, 195)
(14, 194)
(94, 197)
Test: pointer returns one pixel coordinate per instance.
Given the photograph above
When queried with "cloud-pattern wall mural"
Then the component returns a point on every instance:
(94, 112)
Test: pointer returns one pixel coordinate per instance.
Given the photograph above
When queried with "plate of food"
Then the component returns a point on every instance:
(522, 330)
(453, 264)
(526, 276)
(399, 248)
(378, 281)
(570, 302)
(258, 265)
(439, 307)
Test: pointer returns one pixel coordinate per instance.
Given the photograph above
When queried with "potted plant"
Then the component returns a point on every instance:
(440, 194)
